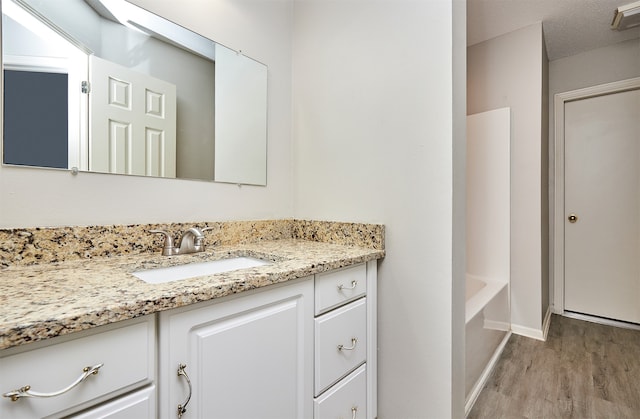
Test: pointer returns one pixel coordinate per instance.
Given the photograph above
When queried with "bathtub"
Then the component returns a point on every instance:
(487, 330)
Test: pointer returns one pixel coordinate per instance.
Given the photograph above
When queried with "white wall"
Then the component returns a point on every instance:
(375, 106)
(507, 71)
(39, 197)
(616, 62)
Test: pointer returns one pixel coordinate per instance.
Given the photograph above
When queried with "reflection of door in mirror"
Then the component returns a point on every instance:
(133, 122)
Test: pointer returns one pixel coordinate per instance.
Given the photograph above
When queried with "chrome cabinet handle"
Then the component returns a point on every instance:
(352, 287)
(354, 341)
(182, 408)
(354, 412)
(25, 391)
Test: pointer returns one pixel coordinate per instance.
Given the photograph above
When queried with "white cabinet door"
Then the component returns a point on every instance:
(246, 357)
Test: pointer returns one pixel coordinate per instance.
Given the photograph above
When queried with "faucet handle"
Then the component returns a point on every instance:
(197, 239)
(202, 238)
(168, 248)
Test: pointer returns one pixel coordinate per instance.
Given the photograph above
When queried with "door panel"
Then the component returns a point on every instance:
(602, 181)
(133, 122)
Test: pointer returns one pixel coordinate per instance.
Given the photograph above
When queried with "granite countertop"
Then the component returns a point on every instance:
(43, 301)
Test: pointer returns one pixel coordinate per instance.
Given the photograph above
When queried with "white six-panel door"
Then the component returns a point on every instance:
(602, 197)
(132, 122)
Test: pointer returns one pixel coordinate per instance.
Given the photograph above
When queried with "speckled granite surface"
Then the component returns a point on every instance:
(31, 246)
(49, 288)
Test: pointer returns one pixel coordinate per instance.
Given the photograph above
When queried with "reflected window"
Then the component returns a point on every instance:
(35, 118)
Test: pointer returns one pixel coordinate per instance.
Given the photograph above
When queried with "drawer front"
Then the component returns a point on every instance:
(126, 352)
(335, 288)
(347, 399)
(341, 343)
(138, 405)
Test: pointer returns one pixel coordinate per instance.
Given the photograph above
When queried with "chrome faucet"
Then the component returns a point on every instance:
(192, 241)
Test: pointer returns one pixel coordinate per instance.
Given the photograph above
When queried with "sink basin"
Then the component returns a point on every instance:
(192, 270)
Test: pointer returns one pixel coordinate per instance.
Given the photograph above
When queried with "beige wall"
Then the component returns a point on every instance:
(507, 71)
(376, 97)
(616, 62)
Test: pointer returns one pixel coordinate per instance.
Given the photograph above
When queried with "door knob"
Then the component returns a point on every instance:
(573, 218)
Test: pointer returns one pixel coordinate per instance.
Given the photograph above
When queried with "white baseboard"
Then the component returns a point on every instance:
(538, 334)
(528, 332)
(479, 385)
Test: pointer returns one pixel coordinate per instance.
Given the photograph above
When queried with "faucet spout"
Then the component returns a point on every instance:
(191, 241)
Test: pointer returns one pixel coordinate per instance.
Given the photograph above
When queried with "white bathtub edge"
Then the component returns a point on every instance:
(484, 377)
(482, 298)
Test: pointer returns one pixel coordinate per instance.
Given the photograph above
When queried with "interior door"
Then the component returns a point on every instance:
(132, 122)
(602, 181)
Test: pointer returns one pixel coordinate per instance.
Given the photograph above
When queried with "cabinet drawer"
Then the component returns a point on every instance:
(338, 287)
(126, 351)
(347, 399)
(341, 343)
(139, 405)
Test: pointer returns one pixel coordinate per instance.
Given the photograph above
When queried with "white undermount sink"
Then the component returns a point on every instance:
(192, 270)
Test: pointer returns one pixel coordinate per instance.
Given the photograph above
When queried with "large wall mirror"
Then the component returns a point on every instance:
(105, 86)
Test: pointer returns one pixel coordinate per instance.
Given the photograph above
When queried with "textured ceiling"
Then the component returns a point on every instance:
(570, 26)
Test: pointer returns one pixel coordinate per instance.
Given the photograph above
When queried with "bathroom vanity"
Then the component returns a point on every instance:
(265, 355)
(294, 338)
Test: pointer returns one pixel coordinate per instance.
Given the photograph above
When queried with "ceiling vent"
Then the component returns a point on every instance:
(626, 17)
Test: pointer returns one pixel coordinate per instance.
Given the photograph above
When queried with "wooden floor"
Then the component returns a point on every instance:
(583, 370)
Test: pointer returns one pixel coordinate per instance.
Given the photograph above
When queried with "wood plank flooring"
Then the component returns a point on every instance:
(583, 370)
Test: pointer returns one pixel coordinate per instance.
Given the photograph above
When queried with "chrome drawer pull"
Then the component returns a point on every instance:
(354, 341)
(352, 287)
(354, 412)
(25, 391)
(182, 408)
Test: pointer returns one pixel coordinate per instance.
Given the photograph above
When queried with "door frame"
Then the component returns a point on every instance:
(559, 209)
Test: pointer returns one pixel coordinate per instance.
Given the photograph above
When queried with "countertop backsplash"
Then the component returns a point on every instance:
(34, 246)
